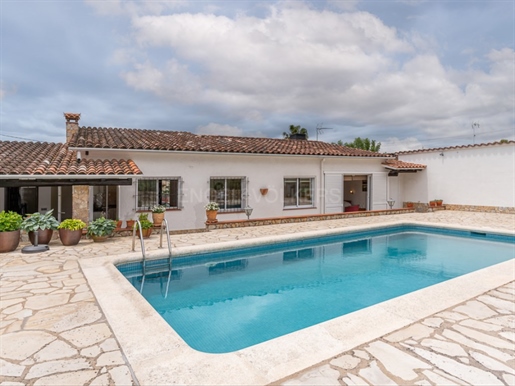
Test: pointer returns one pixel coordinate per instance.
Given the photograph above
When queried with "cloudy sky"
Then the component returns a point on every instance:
(408, 73)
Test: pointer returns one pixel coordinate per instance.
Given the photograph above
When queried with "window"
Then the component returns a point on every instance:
(228, 192)
(158, 192)
(298, 192)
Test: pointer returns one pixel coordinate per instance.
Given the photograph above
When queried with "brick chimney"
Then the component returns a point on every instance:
(72, 125)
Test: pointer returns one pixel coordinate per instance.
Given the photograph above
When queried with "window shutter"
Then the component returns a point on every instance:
(244, 192)
(179, 193)
(379, 191)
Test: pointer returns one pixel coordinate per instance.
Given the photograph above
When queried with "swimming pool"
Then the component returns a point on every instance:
(229, 300)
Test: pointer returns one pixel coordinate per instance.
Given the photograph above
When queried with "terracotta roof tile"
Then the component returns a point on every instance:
(456, 147)
(401, 165)
(41, 158)
(130, 139)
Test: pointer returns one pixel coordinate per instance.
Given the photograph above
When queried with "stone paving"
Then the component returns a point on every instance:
(470, 344)
(53, 332)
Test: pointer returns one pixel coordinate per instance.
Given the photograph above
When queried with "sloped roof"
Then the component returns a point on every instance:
(401, 165)
(455, 147)
(130, 139)
(42, 158)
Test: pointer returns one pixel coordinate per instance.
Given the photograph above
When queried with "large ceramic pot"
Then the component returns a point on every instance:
(211, 216)
(99, 239)
(9, 241)
(69, 237)
(44, 236)
(158, 218)
(145, 232)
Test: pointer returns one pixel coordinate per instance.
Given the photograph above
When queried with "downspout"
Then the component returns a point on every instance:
(321, 190)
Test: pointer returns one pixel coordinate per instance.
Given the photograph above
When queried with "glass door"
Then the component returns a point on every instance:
(104, 203)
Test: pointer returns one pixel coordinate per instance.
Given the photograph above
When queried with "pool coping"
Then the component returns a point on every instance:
(158, 355)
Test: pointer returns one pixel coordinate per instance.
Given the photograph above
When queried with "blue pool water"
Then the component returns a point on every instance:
(226, 301)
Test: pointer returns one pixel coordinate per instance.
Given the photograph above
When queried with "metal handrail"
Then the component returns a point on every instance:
(165, 224)
(141, 240)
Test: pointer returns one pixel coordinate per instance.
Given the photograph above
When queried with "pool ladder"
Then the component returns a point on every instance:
(164, 225)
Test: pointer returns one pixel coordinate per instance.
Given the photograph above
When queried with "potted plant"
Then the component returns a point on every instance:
(158, 214)
(44, 224)
(118, 223)
(432, 203)
(70, 231)
(10, 224)
(130, 223)
(439, 202)
(100, 229)
(409, 204)
(212, 209)
(146, 226)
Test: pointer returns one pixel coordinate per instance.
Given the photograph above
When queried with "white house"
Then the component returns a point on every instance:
(120, 172)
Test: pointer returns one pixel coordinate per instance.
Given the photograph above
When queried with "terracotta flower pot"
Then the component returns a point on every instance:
(9, 241)
(69, 237)
(99, 239)
(145, 232)
(44, 236)
(211, 216)
(130, 223)
(158, 218)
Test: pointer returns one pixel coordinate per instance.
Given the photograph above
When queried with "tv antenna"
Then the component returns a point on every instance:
(320, 129)
(475, 125)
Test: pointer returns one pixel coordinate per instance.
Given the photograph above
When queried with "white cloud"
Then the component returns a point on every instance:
(299, 61)
(394, 144)
(219, 129)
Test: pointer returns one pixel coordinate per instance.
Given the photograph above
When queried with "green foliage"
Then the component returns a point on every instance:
(212, 206)
(295, 130)
(158, 209)
(363, 144)
(101, 227)
(38, 221)
(144, 221)
(10, 221)
(72, 224)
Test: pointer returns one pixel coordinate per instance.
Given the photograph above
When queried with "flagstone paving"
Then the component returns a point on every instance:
(470, 344)
(53, 331)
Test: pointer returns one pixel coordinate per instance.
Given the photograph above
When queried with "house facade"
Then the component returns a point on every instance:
(274, 177)
(119, 173)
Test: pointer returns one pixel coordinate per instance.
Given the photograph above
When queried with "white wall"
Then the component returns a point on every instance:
(261, 171)
(483, 176)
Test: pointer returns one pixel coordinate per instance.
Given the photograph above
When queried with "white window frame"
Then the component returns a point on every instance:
(312, 192)
(244, 194)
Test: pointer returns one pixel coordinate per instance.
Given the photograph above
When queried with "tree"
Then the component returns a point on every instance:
(295, 130)
(363, 144)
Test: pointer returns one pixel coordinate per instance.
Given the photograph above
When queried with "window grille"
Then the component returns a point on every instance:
(162, 191)
(228, 192)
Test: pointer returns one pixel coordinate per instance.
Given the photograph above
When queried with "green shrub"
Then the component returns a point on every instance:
(101, 227)
(72, 224)
(38, 221)
(10, 221)
(144, 221)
